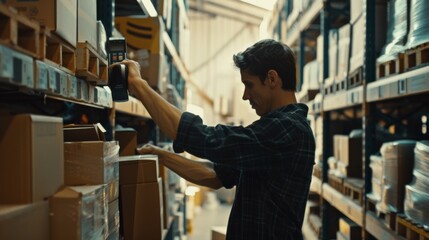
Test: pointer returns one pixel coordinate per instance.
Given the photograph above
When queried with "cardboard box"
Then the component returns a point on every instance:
(219, 233)
(349, 152)
(58, 15)
(40, 75)
(138, 169)
(32, 162)
(127, 138)
(92, 162)
(84, 132)
(349, 229)
(357, 44)
(79, 213)
(87, 22)
(152, 67)
(23, 222)
(141, 210)
(142, 32)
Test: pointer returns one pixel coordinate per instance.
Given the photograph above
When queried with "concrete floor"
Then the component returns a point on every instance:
(206, 218)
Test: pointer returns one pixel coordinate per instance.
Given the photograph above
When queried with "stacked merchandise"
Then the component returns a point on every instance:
(377, 175)
(396, 30)
(416, 203)
(31, 171)
(419, 23)
(397, 164)
(310, 86)
(91, 172)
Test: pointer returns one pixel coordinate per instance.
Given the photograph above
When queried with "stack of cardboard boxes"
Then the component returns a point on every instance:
(31, 171)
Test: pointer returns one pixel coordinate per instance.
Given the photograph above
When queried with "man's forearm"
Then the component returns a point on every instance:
(196, 171)
(164, 114)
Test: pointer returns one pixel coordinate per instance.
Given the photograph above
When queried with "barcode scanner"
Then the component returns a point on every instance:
(118, 74)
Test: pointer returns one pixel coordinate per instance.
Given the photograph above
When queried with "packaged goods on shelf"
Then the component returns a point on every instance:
(101, 39)
(310, 86)
(348, 151)
(349, 229)
(40, 75)
(127, 138)
(79, 212)
(333, 53)
(343, 56)
(377, 174)
(113, 217)
(397, 164)
(16, 68)
(320, 58)
(21, 222)
(419, 23)
(416, 201)
(32, 166)
(356, 10)
(357, 44)
(396, 30)
(59, 15)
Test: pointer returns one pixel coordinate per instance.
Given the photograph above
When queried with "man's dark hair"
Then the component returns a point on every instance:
(269, 54)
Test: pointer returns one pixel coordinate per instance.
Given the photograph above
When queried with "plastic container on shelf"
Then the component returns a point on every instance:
(419, 23)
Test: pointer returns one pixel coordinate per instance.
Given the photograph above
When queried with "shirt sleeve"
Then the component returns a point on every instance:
(262, 145)
(227, 175)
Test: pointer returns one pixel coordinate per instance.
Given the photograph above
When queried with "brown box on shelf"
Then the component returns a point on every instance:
(138, 169)
(349, 229)
(59, 15)
(127, 138)
(78, 212)
(218, 232)
(32, 162)
(141, 210)
(152, 66)
(22, 222)
(142, 32)
(349, 151)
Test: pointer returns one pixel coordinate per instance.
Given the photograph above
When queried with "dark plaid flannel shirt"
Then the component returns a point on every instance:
(270, 162)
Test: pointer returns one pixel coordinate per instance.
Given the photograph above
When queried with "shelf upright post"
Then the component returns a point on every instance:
(368, 113)
(106, 13)
(325, 25)
(301, 59)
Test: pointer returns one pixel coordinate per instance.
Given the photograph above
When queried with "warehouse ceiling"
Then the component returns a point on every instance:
(232, 9)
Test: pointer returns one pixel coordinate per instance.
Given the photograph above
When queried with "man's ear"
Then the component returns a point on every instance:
(273, 78)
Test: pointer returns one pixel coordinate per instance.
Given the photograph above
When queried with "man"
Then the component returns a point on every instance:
(270, 161)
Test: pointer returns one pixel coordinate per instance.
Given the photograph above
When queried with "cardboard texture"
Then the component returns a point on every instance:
(142, 32)
(58, 15)
(85, 132)
(219, 233)
(138, 169)
(141, 210)
(23, 222)
(349, 153)
(78, 213)
(32, 162)
(127, 139)
(87, 22)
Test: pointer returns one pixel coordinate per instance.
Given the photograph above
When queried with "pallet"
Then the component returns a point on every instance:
(329, 86)
(57, 52)
(355, 78)
(90, 66)
(417, 57)
(391, 67)
(336, 182)
(19, 32)
(410, 230)
(354, 189)
(341, 85)
(389, 218)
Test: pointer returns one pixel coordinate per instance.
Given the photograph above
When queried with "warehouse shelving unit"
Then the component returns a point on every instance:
(363, 106)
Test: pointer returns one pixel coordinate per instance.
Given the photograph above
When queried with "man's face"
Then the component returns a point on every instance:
(258, 93)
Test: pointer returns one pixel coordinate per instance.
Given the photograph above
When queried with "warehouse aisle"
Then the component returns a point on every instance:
(206, 218)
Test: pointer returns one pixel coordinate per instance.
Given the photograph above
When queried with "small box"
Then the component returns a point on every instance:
(59, 15)
(40, 75)
(127, 138)
(54, 80)
(32, 162)
(84, 132)
(141, 210)
(79, 213)
(72, 87)
(138, 169)
(16, 68)
(22, 222)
